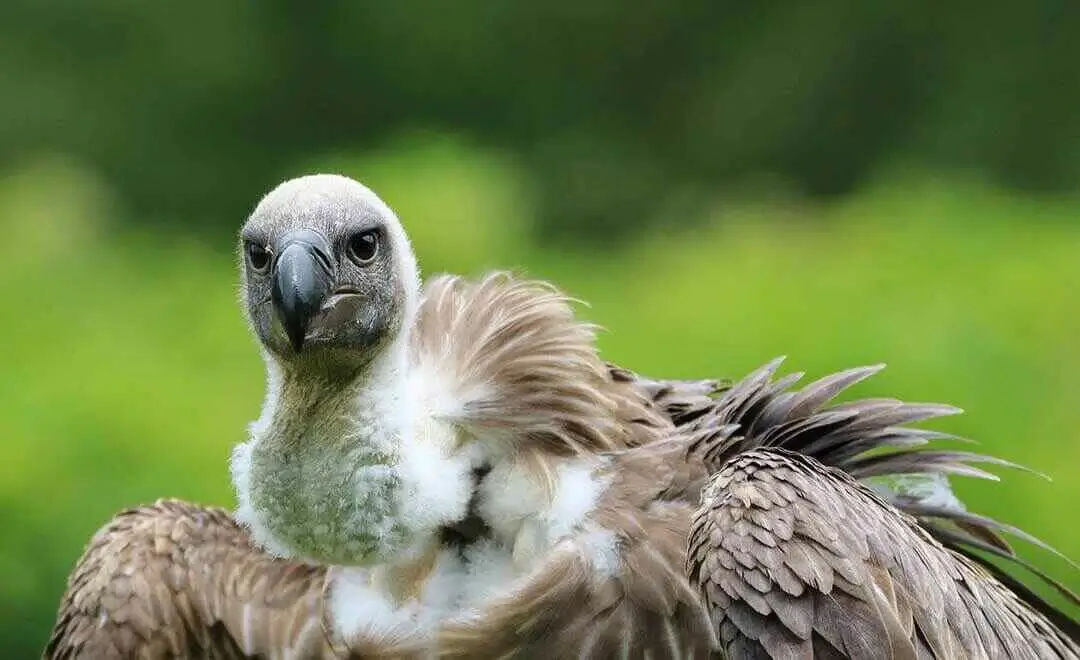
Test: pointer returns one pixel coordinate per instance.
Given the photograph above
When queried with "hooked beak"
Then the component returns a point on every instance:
(302, 277)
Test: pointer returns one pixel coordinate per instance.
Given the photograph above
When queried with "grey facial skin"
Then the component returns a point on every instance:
(320, 282)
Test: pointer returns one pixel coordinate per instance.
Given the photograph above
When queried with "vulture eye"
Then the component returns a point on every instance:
(364, 246)
(258, 257)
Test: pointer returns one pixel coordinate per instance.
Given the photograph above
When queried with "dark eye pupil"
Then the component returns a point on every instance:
(363, 246)
(258, 257)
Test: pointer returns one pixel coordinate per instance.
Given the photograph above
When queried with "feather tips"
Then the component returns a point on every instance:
(901, 593)
(783, 503)
(523, 371)
(174, 579)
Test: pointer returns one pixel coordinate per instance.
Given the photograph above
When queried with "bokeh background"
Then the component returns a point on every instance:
(840, 182)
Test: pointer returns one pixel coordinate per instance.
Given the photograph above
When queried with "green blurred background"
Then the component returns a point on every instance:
(841, 182)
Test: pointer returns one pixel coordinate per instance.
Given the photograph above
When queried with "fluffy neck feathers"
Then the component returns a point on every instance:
(326, 450)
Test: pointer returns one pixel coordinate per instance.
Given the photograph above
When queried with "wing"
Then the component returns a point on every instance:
(178, 580)
(796, 559)
(794, 555)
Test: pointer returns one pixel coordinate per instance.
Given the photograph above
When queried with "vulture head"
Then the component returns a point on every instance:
(329, 278)
(335, 470)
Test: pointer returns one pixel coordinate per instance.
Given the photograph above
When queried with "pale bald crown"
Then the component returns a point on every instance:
(326, 265)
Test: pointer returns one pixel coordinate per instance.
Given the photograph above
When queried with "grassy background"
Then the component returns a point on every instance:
(128, 372)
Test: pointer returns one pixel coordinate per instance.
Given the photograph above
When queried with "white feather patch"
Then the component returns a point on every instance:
(529, 518)
(601, 549)
(489, 571)
(359, 610)
(362, 607)
(437, 483)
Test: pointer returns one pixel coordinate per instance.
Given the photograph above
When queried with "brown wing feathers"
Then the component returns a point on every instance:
(794, 555)
(174, 579)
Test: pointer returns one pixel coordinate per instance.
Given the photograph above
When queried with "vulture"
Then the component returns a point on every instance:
(451, 470)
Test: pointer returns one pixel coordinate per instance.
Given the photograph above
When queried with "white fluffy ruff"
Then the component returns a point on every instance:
(361, 606)
(381, 495)
(530, 519)
(434, 471)
(528, 524)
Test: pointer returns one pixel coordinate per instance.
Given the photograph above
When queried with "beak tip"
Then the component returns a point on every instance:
(294, 320)
(296, 340)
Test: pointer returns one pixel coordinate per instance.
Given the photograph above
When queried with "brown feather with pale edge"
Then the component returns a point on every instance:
(175, 579)
(796, 558)
(554, 398)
